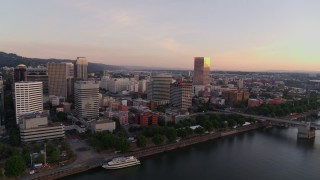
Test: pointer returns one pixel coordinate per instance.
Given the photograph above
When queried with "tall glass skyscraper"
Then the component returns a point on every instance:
(201, 74)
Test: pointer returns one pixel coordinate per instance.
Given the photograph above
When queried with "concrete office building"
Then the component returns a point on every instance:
(87, 99)
(159, 88)
(39, 74)
(81, 69)
(231, 97)
(201, 75)
(116, 85)
(61, 78)
(28, 98)
(181, 95)
(2, 120)
(103, 125)
(35, 127)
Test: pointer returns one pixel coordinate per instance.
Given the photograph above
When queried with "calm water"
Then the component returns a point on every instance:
(272, 154)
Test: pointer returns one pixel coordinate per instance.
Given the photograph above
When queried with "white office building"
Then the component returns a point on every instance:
(28, 98)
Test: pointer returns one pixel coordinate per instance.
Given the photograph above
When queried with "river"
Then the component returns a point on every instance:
(264, 154)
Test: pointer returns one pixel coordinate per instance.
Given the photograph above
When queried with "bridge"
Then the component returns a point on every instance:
(305, 129)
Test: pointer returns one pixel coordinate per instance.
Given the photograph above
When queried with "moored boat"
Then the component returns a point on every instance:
(121, 162)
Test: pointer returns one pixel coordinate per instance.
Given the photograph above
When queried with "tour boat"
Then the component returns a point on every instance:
(121, 162)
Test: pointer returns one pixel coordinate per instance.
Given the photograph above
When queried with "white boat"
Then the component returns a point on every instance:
(121, 162)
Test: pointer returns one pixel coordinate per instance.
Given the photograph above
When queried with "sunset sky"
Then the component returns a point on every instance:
(254, 35)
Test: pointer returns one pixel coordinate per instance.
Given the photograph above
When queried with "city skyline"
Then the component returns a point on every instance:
(241, 35)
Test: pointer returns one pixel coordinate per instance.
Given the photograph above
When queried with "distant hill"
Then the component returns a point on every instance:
(12, 60)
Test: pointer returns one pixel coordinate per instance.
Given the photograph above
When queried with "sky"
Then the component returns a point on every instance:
(243, 35)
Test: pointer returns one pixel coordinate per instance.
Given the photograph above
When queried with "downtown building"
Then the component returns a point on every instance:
(81, 69)
(181, 95)
(201, 74)
(35, 127)
(28, 98)
(61, 79)
(38, 74)
(20, 73)
(86, 95)
(159, 89)
(233, 96)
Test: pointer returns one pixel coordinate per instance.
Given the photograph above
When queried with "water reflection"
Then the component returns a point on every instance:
(263, 154)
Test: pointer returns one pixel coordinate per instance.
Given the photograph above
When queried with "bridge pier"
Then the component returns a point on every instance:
(306, 132)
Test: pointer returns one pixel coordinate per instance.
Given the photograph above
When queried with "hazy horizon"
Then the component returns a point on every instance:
(238, 35)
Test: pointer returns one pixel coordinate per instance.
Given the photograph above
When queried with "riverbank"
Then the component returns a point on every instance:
(303, 115)
(193, 140)
(94, 163)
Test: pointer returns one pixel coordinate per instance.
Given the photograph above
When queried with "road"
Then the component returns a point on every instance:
(87, 157)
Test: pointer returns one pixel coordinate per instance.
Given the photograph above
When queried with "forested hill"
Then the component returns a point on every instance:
(12, 60)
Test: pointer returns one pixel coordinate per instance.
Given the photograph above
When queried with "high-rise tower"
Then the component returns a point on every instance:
(181, 95)
(159, 88)
(86, 95)
(20, 73)
(28, 98)
(201, 74)
(81, 69)
(61, 79)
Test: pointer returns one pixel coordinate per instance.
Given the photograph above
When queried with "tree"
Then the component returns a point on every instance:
(208, 126)
(39, 159)
(141, 141)
(201, 119)
(171, 134)
(189, 131)
(157, 139)
(61, 116)
(199, 130)
(55, 156)
(70, 153)
(14, 137)
(55, 119)
(122, 133)
(182, 132)
(15, 166)
(122, 144)
(1, 173)
(171, 124)
(231, 123)
(12, 151)
(37, 147)
(26, 153)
